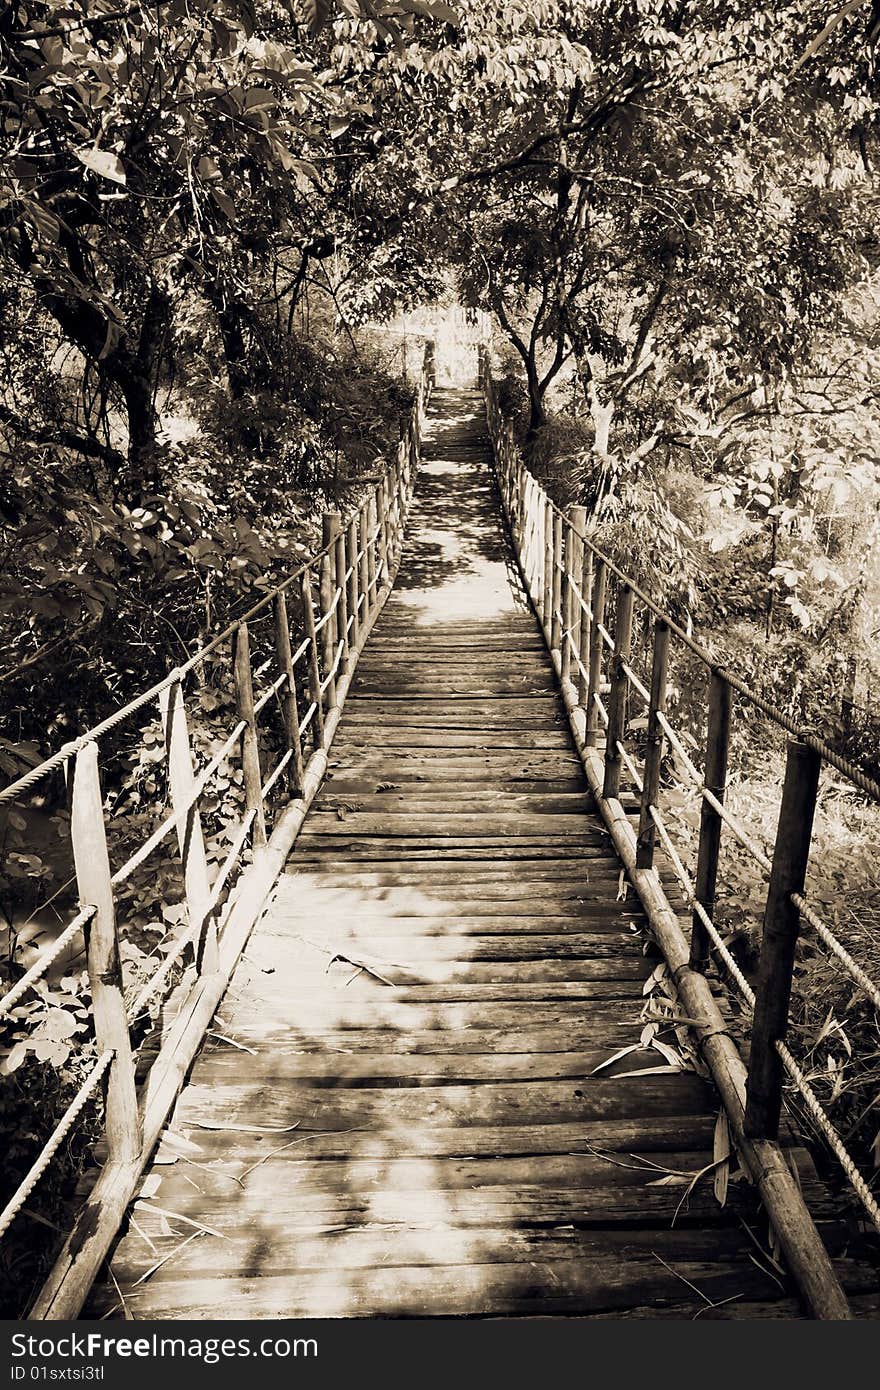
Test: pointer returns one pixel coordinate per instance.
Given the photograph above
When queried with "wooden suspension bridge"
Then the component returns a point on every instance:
(452, 1043)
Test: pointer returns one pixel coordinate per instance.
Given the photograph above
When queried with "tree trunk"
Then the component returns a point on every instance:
(537, 412)
(143, 465)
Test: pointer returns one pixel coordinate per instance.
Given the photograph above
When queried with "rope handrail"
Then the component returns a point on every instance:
(569, 599)
(54, 1142)
(340, 589)
(860, 779)
(68, 750)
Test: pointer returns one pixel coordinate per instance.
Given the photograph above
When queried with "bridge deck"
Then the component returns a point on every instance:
(405, 1120)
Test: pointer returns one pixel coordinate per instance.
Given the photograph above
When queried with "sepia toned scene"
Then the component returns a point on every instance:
(439, 660)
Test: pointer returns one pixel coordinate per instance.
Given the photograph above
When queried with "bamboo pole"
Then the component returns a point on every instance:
(341, 565)
(250, 743)
(327, 594)
(600, 585)
(372, 525)
(546, 514)
(556, 586)
(364, 547)
(289, 702)
(93, 879)
(574, 550)
(617, 695)
(353, 581)
(190, 839)
(308, 618)
(382, 507)
(585, 632)
(654, 746)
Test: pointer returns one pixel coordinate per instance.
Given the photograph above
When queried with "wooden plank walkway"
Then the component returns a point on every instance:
(407, 1122)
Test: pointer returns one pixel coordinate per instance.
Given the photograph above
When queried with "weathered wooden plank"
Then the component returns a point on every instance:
(528, 1102)
(417, 949)
(567, 1287)
(285, 1064)
(609, 927)
(370, 1248)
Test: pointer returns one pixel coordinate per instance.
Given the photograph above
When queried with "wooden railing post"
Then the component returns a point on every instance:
(327, 593)
(364, 544)
(250, 743)
(573, 613)
(617, 695)
(308, 619)
(654, 746)
(600, 586)
(585, 632)
(341, 565)
(558, 558)
(382, 506)
(353, 582)
(289, 702)
(715, 779)
(181, 785)
(372, 527)
(781, 926)
(92, 864)
(546, 514)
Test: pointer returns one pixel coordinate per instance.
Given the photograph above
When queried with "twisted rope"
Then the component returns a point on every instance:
(833, 1139)
(51, 1147)
(47, 958)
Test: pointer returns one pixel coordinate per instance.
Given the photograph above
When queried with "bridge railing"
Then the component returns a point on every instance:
(591, 610)
(335, 596)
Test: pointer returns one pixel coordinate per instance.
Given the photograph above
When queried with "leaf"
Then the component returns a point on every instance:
(615, 1057)
(650, 1071)
(14, 1058)
(102, 162)
(224, 202)
(721, 1156)
(246, 1129)
(151, 1184)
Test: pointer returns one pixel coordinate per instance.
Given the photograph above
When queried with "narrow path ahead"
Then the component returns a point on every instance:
(407, 1120)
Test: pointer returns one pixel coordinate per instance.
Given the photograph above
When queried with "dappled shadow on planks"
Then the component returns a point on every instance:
(456, 566)
(398, 1110)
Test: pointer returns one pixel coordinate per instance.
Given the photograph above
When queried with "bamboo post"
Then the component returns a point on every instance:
(617, 695)
(715, 776)
(289, 702)
(546, 514)
(372, 527)
(585, 632)
(95, 888)
(327, 593)
(191, 841)
(353, 583)
(654, 748)
(528, 529)
(574, 551)
(556, 587)
(382, 507)
(341, 565)
(781, 926)
(600, 586)
(250, 744)
(308, 617)
(364, 543)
